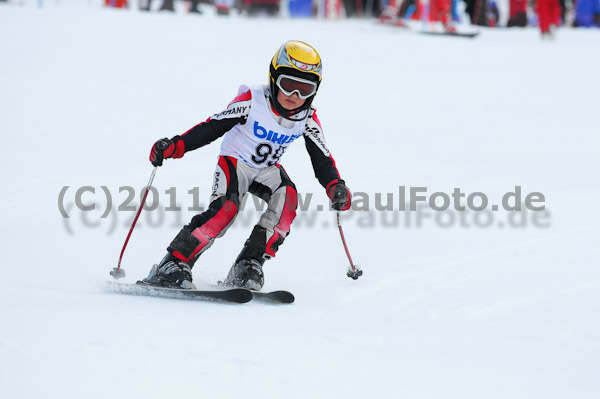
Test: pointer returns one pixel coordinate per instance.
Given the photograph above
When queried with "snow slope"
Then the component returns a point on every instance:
(441, 312)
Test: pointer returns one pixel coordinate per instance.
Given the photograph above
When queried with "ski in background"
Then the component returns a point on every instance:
(400, 13)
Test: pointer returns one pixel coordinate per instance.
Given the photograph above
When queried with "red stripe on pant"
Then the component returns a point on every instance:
(225, 167)
(212, 228)
(287, 217)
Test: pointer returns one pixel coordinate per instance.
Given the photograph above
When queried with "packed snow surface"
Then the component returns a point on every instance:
(447, 308)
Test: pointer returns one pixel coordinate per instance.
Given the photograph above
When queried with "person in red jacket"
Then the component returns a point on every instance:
(518, 13)
(549, 17)
(257, 128)
(440, 11)
(116, 3)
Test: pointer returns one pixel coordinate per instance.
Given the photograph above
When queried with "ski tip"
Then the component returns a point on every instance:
(239, 295)
(280, 296)
(284, 296)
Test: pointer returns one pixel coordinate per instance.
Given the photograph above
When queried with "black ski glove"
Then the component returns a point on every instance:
(340, 195)
(165, 148)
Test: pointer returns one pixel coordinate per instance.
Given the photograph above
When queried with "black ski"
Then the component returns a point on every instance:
(468, 35)
(279, 296)
(400, 23)
(235, 295)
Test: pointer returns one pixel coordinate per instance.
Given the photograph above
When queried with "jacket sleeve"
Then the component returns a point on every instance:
(216, 126)
(322, 161)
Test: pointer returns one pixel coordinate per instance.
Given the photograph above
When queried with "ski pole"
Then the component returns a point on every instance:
(117, 272)
(354, 272)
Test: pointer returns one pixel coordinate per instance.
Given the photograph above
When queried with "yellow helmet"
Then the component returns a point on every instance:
(300, 60)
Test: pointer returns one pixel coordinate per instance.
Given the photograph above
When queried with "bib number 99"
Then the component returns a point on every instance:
(262, 153)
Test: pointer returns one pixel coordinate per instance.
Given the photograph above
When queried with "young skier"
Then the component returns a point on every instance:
(258, 126)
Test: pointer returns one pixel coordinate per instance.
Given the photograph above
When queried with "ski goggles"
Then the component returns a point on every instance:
(291, 84)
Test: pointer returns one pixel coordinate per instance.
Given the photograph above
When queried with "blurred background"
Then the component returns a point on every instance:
(548, 15)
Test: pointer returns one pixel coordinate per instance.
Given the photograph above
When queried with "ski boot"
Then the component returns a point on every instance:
(171, 273)
(247, 271)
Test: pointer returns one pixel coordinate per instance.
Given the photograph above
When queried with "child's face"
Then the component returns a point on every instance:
(289, 102)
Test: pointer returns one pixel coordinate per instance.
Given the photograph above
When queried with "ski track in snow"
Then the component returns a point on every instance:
(497, 312)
